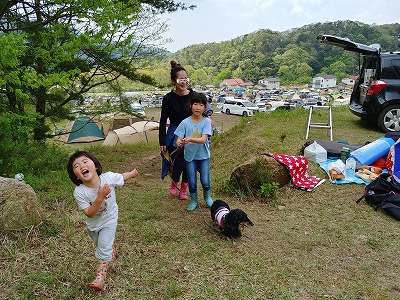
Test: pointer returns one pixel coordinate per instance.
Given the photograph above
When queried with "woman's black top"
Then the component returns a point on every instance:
(176, 108)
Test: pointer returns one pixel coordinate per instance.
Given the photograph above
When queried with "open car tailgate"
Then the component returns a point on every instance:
(349, 45)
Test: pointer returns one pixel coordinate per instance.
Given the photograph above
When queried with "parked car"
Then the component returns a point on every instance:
(306, 103)
(273, 103)
(239, 107)
(138, 109)
(376, 93)
(282, 107)
(262, 106)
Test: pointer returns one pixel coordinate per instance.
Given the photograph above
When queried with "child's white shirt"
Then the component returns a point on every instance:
(108, 211)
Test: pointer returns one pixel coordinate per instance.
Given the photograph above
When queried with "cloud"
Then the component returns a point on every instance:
(222, 20)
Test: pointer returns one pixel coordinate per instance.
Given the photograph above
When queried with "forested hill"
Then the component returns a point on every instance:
(293, 56)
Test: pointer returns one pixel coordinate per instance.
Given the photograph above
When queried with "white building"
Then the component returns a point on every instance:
(349, 80)
(323, 82)
(270, 83)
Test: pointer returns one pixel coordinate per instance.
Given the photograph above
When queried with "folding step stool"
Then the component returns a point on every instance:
(327, 125)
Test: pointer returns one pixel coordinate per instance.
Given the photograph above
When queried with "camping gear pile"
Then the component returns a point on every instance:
(378, 166)
(346, 163)
(384, 191)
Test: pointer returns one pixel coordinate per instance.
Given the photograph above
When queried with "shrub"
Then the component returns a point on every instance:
(269, 190)
(21, 154)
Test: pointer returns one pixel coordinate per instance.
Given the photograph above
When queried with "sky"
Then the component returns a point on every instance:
(223, 20)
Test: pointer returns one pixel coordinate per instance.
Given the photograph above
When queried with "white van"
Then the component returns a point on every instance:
(239, 107)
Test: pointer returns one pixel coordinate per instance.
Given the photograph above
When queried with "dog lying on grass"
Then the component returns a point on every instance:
(231, 222)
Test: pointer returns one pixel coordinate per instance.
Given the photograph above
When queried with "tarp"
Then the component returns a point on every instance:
(324, 166)
(85, 130)
(336, 96)
(137, 132)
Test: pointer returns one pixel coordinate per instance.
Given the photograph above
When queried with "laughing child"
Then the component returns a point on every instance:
(95, 196)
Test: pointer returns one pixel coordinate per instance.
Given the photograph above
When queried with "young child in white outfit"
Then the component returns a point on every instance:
(95, 196)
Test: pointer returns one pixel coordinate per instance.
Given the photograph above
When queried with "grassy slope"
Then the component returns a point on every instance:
(312, 245)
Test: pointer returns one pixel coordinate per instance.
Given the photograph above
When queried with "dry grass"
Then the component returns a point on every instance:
(312, 245)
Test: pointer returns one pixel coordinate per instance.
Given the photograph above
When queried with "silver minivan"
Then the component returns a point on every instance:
(239, 107)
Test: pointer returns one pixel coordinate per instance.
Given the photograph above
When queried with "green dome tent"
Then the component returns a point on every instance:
(85, 130)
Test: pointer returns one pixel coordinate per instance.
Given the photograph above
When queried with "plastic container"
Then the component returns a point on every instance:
(350, 168)
(376, 170)
(371, 152)
(344, 154)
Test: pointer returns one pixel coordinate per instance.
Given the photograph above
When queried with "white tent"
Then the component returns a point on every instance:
(296, 97)
(112, 121)
(137, 132)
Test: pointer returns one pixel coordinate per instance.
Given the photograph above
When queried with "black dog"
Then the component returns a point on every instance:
(230, 221)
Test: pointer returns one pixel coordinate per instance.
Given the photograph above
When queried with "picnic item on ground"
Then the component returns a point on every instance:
(366, 175)
(371, 152)
(315, 152)
(376, 170)
(297, 167)
(336, 170)
(333, 149)
(344, 155)
(383, 192)
(350, 168)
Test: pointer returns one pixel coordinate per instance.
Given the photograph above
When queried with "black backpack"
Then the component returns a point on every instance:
(383, 193)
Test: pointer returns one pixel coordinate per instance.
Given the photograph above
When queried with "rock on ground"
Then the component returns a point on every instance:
(19, 206)
(250, 175)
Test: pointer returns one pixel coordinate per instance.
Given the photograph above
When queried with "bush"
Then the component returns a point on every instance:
(269, 190)
(21, 154)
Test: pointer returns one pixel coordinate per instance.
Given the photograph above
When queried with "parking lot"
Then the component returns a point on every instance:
(222, 121)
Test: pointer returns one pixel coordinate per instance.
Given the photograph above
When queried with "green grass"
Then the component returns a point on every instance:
(313, 245)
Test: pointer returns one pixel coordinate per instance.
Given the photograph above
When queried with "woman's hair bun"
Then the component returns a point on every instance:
(174, 64)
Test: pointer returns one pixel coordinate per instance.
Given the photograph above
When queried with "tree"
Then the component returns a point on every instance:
(224, 74)
(293, 67)
(200, 77)
(73, 46)
(159, 5)
(338, 68)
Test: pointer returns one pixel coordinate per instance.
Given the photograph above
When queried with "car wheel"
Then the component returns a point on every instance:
(389, 118)
(228, 112)
(245, 114)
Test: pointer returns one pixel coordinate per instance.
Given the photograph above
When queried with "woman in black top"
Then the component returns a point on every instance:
(175, 108)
